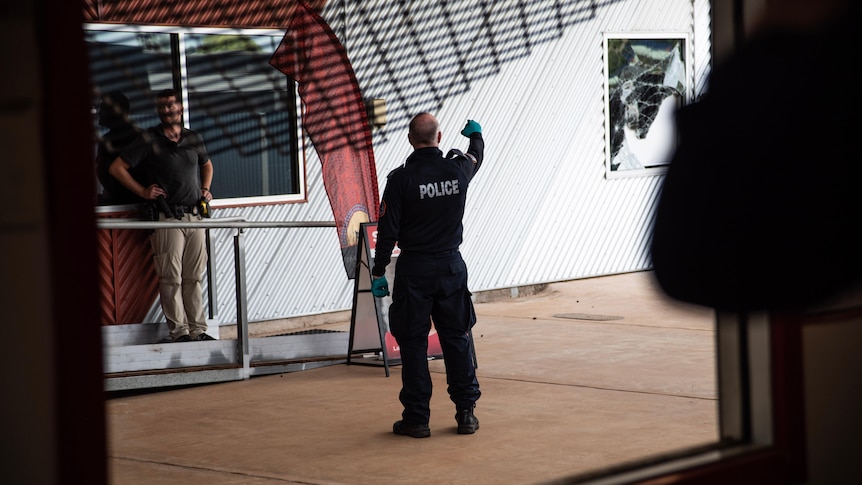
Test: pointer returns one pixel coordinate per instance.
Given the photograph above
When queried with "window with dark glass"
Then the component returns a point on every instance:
(243, 107)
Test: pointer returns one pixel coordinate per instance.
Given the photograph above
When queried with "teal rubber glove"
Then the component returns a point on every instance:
(379, 287)
(470, 128)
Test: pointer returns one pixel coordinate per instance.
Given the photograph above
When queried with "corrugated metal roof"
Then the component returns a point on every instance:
(194, 13)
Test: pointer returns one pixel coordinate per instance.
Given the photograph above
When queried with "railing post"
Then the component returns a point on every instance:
(211, 290)
(242, 338)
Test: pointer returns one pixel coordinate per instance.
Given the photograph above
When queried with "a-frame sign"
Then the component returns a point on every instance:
(369, 319)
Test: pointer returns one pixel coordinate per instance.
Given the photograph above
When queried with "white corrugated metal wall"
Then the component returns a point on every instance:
(532, 73)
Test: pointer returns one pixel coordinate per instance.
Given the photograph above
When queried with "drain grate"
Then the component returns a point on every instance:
(588, 316)
(309, 332)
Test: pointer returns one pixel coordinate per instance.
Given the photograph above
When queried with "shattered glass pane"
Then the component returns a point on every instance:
(646, 83)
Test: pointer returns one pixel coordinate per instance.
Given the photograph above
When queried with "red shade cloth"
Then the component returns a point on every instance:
(335, 120)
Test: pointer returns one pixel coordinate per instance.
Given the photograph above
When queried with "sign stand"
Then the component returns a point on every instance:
(369, 319)
(367, 329)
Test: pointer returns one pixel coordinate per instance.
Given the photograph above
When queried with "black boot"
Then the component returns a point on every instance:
(412, 430)
(467, 423)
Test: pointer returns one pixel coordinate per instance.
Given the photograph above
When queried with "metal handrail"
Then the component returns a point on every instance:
(240, 224)
(213, 223)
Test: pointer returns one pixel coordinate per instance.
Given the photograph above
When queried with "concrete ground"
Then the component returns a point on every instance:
(584, 375)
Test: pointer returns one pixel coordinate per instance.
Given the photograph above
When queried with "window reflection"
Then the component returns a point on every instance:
(245, 109)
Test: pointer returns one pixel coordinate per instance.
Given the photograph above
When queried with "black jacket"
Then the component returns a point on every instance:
(423, 202)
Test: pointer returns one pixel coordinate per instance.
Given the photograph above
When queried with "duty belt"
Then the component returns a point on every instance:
(185, 209)
(169, 210)
(438, 254)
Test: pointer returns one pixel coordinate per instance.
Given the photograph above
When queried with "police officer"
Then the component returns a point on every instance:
(422, 210)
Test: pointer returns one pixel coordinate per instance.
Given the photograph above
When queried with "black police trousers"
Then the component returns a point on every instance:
(434, 288)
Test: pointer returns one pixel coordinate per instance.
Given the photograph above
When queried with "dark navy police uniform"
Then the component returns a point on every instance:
(422, 210)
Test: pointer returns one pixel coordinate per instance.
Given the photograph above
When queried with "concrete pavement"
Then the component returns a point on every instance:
(583, 375)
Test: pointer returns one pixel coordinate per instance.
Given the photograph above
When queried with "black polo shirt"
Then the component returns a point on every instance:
(174, 166)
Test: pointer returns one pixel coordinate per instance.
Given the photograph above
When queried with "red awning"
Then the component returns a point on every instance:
(195, 13)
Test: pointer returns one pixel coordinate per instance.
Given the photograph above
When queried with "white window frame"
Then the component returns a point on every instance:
(655, 169)
(302, 162)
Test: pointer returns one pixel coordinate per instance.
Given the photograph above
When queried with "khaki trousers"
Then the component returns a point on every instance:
(180, 260)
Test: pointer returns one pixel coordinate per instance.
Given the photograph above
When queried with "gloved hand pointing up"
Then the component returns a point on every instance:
(470, 128)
